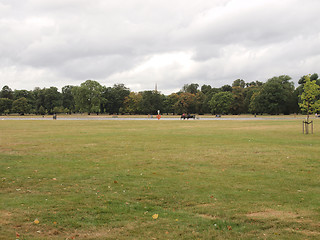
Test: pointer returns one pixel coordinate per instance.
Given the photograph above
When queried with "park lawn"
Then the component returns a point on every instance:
(159, 180)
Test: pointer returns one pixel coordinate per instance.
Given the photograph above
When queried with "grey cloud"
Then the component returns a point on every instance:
(111, 41)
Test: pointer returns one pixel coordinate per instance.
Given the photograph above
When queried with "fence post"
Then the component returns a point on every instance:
(307, 127)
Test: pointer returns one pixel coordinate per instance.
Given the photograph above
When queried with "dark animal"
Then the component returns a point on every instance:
(188, 116)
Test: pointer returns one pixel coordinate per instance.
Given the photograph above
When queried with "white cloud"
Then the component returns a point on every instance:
(143, 42)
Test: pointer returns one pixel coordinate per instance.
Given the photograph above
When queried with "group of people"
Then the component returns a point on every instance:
(187, 116)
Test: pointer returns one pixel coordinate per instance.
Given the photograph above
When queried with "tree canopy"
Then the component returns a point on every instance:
(310, 97)
(276, 96)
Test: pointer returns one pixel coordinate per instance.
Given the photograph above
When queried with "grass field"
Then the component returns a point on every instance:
(159, 180)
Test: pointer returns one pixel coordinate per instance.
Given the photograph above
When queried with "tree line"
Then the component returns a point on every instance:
(276, 96)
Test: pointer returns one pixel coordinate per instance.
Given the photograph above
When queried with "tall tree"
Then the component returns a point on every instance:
(239, 83)
(28, 95)
(113, 98)
(6, 92)
(221, 103)
(186, 103)
(132, 103)
(5, 105)
(52, 99)
(68, 99)
(20, 106)
(226, 88)
(190, 88)
(238, 105)
(170, 102)
(206, 88)
(88, 96)
(310, 97)
(275, 97)
(199, 102)
(39, 100)
(151, 102)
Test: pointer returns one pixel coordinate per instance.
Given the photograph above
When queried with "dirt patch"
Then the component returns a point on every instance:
(270, 213)
(106, 233)
(307, 227)
(5, 217)
(305, 232)
(284, 216)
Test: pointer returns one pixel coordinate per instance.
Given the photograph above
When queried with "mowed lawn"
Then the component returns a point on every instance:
(159, 180)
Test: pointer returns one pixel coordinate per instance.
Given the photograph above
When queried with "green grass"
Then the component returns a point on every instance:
(205, 179)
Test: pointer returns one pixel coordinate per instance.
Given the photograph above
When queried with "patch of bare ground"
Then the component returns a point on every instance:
(106, 232)
(289, 217)
(270, 213)
(308, 233)
(5, 217)
(46, 232)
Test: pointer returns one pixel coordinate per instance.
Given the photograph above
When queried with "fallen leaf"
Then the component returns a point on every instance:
(36, 221)
(229, 228)
(115, 181)
(155, 216)
(17, 235)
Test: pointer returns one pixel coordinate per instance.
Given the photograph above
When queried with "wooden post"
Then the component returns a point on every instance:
(305, 127)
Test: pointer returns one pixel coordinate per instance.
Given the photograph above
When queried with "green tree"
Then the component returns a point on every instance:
(206, 88)
(208, 93)
(221, 103)
(151, 102)
(39, 100)
(170, 102)
(199, 102)
(132, 103)
(28, 95)
(88, 96)
(276, 96)
(190, 88)
(68, 99)
(312, 77)
(6, 92)
(239, 83)
(186, 103)
(5, 105)
(310, 97)
(42, 110)
(52, 99)
(238, 105)
(113, 98)
(250, 90)
(20, 106)
(226, 88)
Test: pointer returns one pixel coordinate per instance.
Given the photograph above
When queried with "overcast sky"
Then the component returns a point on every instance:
(140, 43)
